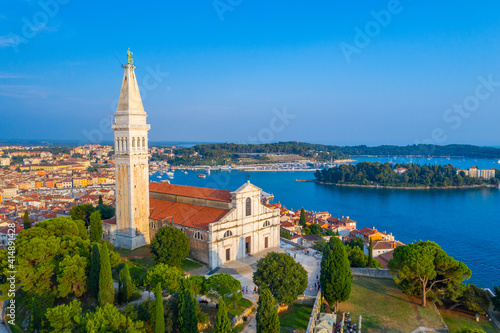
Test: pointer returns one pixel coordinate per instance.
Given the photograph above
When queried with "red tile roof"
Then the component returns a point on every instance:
(110, 221)
(191, 191)
(185, 214)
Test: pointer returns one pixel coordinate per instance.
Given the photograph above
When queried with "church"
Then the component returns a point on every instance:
(222, 225)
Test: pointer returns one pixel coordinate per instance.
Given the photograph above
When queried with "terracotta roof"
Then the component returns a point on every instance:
(384, 258)
(191, 191)
(386, 245)
(185, 214)
(287, 225)
(110, 221)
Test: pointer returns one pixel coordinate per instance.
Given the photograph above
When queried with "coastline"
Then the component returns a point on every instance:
(396, 187)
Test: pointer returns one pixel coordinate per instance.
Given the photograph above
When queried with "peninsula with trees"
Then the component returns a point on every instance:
(404, 175)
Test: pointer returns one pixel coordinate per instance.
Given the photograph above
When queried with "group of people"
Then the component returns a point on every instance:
(246, 290)
(317, 285)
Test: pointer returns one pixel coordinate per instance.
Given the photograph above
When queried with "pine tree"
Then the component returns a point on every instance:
(370, 254)
(267, 313)
(336, 274)
(302, 220)
(95, 227)
(222, 323)
(26, 220)
(106, 288)
(100, 200)
(36, 319)
(188, 322)
(95, 268)
(126, 286)
(159, 316)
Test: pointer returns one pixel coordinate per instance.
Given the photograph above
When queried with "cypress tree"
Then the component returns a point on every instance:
(95, 268)
(336, 274)
(36, 319)
(188, 322)
(100, 200)
(159, 312)
(370, 254)
(267, 313)
(302, 220)
(126, 286)
(26, 220)
(95, 227)
(106, 288)
(222, 323)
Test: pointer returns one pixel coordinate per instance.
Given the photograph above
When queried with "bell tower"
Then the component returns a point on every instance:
(131, 161)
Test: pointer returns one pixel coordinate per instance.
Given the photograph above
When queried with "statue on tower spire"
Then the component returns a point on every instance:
(129, 57)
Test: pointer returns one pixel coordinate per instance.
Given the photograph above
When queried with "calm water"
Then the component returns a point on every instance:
(465, 223)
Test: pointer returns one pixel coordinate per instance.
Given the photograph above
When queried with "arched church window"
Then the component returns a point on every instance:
(198, 235)
(228, 234)
(267, 224)
(143, 143)
(133, 142)
(248, 208)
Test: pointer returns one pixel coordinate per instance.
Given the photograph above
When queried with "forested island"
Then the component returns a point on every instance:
(401, 175)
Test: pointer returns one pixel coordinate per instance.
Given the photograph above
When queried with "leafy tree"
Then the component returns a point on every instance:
(222, 323)
(471, 330)
(36, 318)
(302, 220)
(306, 231)
(108, 318)
(159, 319)
(126, 285)
(188, 322)
(95, 268)
(422, 266)
(106, 287)
(62, 318)
(315, 229)
(335, 277)
(370, 254)
(72, 277)
(169, 278)
(170, 246)
(285, 278)
(26, 220)
(41, 250)
(356, 242)
(197, 283)
(476, 299)
(95, 227)
(267, 313)
(223, 286)
(320, 245)
(285, 234)
(106, 211)
(356, 256)
(78, 213)
(496, 300)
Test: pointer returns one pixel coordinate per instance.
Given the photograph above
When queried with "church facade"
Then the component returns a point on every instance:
(222, 225)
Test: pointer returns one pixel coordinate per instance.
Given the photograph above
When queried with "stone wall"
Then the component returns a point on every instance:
(314, 314)
(372, 272)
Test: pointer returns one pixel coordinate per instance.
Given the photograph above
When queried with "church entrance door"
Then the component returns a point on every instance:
(248, 244)
(228, 254)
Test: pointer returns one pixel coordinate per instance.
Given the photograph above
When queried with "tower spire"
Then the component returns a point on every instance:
(130, 97)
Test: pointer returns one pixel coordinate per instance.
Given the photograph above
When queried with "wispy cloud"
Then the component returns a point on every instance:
(13, 76)
(23, 91)
(10, 40)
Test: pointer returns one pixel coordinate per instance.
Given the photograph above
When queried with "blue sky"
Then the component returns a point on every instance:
(343, 72)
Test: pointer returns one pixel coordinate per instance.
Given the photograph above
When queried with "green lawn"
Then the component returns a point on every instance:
(142, 257)
(297, 316)
(188, 265)
(384, 308)
(459, 319)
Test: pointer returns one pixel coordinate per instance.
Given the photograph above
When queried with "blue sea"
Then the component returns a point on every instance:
(464, 222)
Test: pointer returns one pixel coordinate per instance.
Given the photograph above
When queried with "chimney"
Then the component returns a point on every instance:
(348, 217)
(374, 228)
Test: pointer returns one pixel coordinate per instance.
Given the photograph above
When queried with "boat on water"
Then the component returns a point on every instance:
(225, 168)
(170, 174)
(158, 177)
(202, 175)
(498, 162)
(185, 172)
